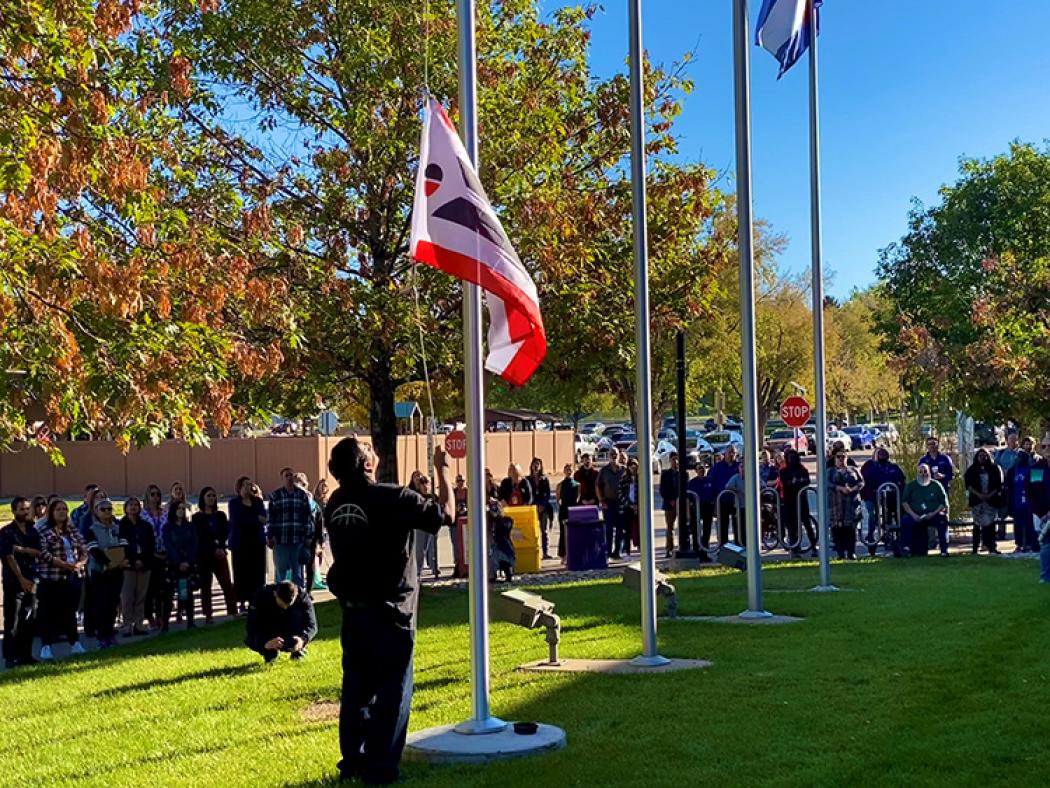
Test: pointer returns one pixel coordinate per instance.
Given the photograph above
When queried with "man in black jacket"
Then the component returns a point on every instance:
(669, 483)
(280, 618)
(371, 528)
(20, 546)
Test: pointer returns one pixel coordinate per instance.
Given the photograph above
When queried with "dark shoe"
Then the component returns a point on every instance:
(299, 654)
(851, 556)
(10, 664)
(944, 553)
(993, 551)
(269, 660)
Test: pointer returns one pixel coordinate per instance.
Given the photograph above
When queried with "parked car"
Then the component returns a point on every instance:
(775, 425)
(886, 434)
(667, 435)
(860, 437)
(780, 440)
(988, 434)
(662, 455)
(839, 435)
(586, 444)
(720, 441)
(592, 428)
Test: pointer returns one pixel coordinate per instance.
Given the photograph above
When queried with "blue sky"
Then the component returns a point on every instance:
(908, 86)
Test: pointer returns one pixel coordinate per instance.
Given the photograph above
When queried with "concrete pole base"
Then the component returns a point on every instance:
(824, 589)
(481, 727)
(655, 661)
(750, 615)
(443, 744)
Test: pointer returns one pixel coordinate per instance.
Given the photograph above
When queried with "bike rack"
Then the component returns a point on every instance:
(812, 488)
(734, 514)
(883, 512)
(780, 537)
(711, 551)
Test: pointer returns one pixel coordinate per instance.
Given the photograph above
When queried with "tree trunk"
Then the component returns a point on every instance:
(382, 420)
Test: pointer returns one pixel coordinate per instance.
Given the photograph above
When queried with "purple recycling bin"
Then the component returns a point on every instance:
(586, 540)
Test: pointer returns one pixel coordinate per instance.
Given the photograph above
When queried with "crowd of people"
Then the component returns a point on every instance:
(1010, 485)
(63, 570)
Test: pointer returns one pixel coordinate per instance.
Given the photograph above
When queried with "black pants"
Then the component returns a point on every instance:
(249, 570)
(105, 588)
(707, 519)
(19, 623)
(563, 520)
(727, 509)
(845, 539)
(377, 694)
(545, 515)
(58, 610)
(987, 535)
(270, 654)
(173, 593)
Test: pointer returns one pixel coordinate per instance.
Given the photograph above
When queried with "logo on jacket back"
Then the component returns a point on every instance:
(350, 515)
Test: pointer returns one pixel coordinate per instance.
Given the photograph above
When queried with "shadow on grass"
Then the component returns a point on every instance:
(200, 675)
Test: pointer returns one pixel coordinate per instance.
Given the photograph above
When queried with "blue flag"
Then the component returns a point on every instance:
(784, 29)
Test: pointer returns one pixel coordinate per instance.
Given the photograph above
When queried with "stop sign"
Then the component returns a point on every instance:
(795, 411)
(456, 444)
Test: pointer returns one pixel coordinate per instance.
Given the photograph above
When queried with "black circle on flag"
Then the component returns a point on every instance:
(432, 175)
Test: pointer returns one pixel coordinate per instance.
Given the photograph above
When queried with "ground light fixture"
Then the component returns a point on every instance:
(530, 611)
(632, 578)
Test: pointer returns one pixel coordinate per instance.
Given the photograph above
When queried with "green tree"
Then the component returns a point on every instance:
(860, 375)
(968, 289)
(316, 104)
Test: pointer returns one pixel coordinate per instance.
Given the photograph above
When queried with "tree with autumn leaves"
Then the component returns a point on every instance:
(206, 211)
(137, 295)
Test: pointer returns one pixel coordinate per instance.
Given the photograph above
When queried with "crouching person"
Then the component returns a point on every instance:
(280, 618)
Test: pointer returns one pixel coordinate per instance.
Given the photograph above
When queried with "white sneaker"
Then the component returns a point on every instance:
(78, 648)
(45, 653)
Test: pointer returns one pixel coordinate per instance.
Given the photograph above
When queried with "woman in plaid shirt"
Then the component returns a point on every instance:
(60, 569)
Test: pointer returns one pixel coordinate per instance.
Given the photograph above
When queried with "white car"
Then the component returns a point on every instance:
(722, 440)
(586, 444)
(839, 435)
(886, 434)
(662, 455)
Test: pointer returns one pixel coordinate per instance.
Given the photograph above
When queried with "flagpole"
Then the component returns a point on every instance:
(650, 657)
(482, 720)
(749, 462)
(818, 307)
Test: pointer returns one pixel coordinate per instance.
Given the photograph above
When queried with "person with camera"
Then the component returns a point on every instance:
(280, 618)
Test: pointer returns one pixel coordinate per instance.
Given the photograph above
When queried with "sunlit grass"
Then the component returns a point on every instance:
(929, 671)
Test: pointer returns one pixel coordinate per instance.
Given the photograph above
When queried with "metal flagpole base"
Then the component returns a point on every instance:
(480, 727)
(753, 614)
(445, 744)
(656, 661)
(825, 589)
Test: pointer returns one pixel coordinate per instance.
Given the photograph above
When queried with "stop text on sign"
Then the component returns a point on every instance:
(795, 411)
(456, 444)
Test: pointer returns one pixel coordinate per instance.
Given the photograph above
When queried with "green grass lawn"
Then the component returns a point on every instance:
(929, 672)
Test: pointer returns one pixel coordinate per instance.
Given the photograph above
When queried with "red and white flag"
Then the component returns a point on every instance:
(455, 229)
